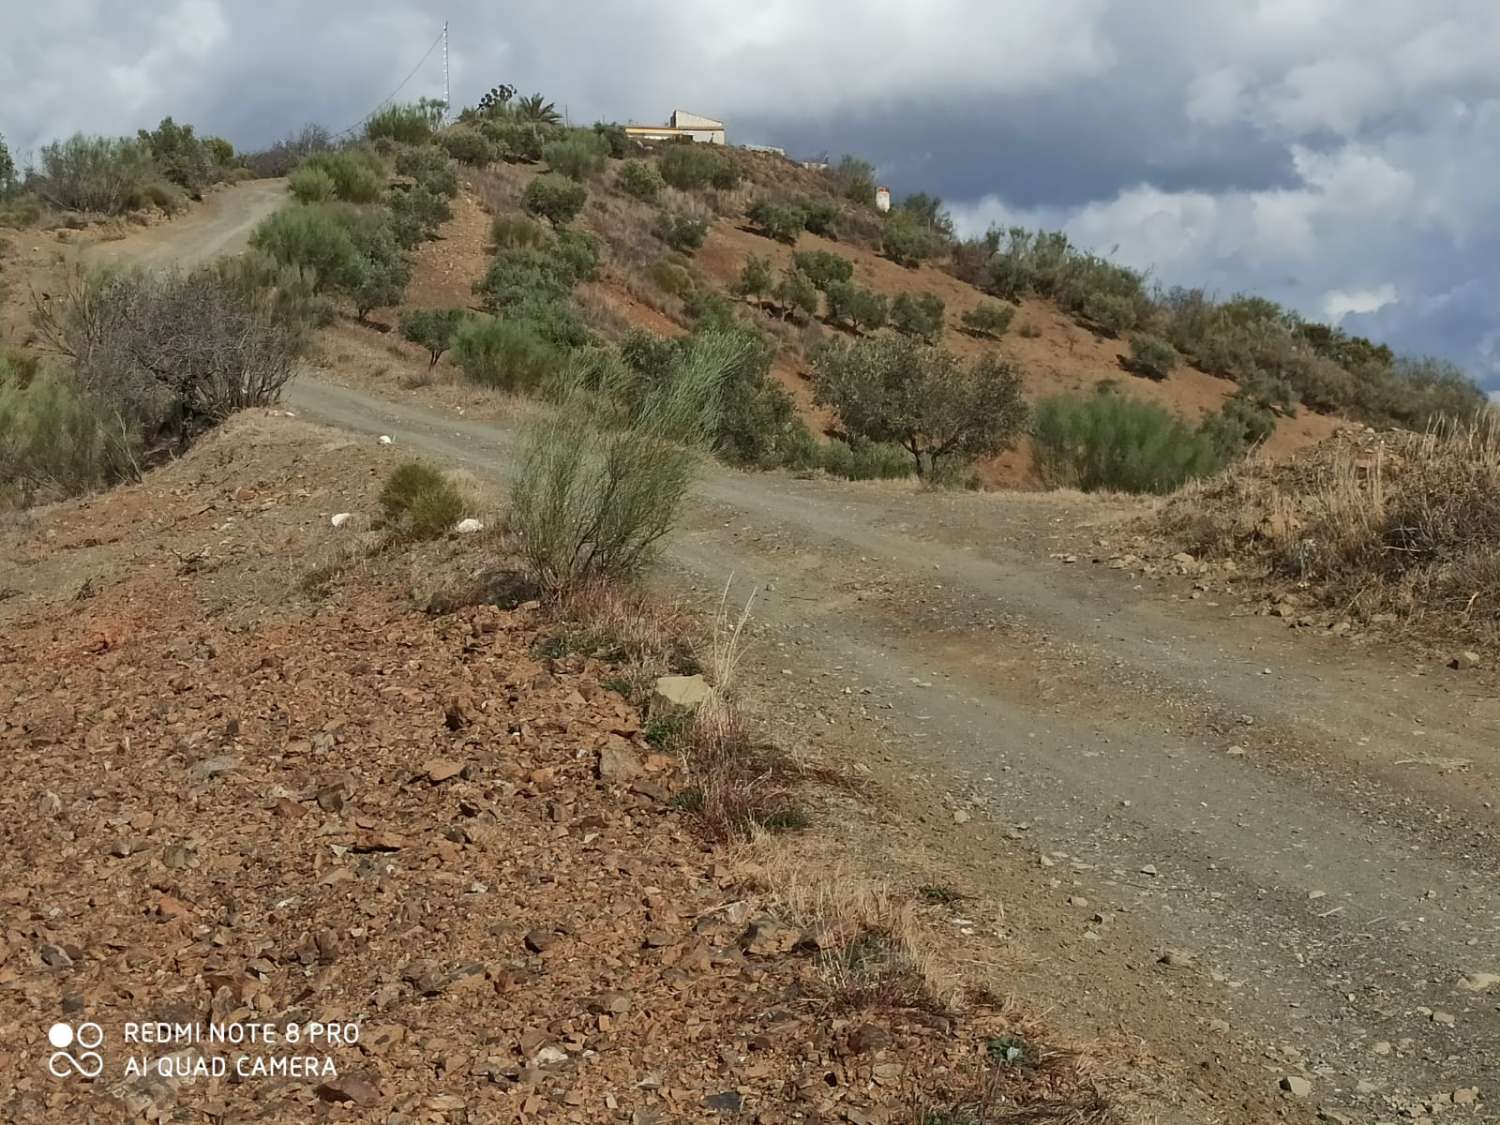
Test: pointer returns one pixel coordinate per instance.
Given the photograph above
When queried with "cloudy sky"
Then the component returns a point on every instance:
(1342, 156)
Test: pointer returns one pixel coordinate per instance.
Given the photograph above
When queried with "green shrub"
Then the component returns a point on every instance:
(20, 211)
(579, 253)
(284, 295)
(57, 438)
(691, 167)
(419, 502)
(670, 276)
(165, 196)
(908, 241)
(893, 389)
(854, 179)
(526, 275)
(822, 267)
(8, 181)
(918, 316)
(709, 309)
(757, 277)
(432, 328)
(863, 460)
(579, 156)
(93, 174)
(509, 355)
(406, 124)
(1240, 424)
(1152, 356)
(988, 319)
(820, 215)
(781, 221)
(417, 213)
(861, 308)
(597, 491)
(358, 175)
(1115, 442)
(518, 142)
(617, 142)
(554, 198)
(1114, 312)
(430, 167)
(795, 292)
(182, 158)
(682, 233)
(468, 145)
(311, 185)
(349, 251)
(512, 231)
(641, 179)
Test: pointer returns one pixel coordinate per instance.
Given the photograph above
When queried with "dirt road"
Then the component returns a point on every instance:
(1305, 830)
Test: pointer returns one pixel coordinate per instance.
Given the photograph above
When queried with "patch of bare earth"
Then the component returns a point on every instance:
(256, 769)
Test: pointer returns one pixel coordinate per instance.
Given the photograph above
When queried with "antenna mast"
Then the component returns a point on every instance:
(447, 87)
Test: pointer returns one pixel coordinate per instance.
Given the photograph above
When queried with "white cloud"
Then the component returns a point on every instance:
(1339, 303)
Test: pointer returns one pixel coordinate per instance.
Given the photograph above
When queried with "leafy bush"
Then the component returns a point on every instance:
(349, 251)
(579, 252)
(410, 124)
(286, 295)
(283, 156)
(1113, 312)
(512, 231)
(312, 185)
(57, 438)
(1112, 441)
(617, 142)
(908, 241)
(641, 179)
(579, 156)
(468, 145)
(682, 233)
(918, 316)
(820, 215)
(893, 389)
(597, 490)
(929, 211)
(757, 277)
(822, 267)
(861, 308)
(94, 174)
(430, 167)
(988, 319)
(509, 355)
(180, 156)
(8, 183)
(1240, 424)
(862, 460)
(795, 292)
(854, 179)
(358, 175)
(670, 276)
(1152, 356)
(691, 167)
(20, 211)
(554, 198)
(518, 142)
(781, 221)
(168, 356)
(419, 502)
(432, 328)
(523, 275)
(417, 213)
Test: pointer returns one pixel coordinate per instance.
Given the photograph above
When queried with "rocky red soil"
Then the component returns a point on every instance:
(254, 775)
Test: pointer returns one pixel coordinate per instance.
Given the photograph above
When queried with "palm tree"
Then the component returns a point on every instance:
(537, 110)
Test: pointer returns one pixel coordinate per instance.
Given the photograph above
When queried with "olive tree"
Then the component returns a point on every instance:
(895, 389)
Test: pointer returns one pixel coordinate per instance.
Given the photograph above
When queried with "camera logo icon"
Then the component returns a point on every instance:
(87, 1062)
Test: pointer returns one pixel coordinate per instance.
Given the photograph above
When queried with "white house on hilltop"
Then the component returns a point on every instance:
(684, 126)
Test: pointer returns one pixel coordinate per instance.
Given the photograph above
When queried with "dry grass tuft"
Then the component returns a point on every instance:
(1399, 523)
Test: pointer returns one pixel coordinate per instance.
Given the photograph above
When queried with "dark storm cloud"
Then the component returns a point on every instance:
(1340, 154)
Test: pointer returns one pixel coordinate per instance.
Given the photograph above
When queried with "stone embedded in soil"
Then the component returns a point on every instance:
(1478, 982)
(440, 770)
(673, 694)
(349, 1088)
(618, 761)
(1296, 1085)
(539, 941)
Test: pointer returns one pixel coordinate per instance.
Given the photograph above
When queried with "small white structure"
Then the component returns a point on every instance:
(683, 126)
(774, 150)
(882, 199)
